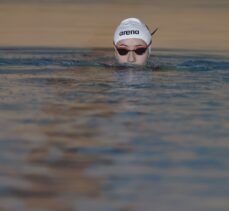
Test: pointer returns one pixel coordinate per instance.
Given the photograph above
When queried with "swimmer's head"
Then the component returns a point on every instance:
(132, 42)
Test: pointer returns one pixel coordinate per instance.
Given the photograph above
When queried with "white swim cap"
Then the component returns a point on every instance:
(132, 28)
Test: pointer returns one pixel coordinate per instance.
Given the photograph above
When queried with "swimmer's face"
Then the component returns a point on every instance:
(127, 47)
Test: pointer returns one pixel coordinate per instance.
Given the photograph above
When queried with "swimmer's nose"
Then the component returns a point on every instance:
(131, 57)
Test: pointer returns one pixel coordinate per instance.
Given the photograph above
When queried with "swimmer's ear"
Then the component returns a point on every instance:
(154, 31)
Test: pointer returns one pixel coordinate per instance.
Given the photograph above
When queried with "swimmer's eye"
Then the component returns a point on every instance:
(138, 51)
(122, 51)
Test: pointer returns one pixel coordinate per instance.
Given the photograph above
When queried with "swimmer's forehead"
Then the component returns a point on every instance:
(131, 42)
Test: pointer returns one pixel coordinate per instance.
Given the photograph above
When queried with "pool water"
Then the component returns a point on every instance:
(79, 132)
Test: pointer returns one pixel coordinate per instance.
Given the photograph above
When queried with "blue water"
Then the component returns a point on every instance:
(80, 132)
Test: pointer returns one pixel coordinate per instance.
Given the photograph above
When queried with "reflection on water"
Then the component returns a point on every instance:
(80, 133)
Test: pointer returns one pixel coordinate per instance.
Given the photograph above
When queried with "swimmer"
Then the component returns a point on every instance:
(132, 42)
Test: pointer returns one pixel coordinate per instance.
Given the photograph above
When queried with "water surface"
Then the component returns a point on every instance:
(79, 132)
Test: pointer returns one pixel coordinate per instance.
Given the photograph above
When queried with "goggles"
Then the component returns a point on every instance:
(138, 51)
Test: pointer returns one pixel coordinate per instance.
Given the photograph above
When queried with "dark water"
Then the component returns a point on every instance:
(78, 132)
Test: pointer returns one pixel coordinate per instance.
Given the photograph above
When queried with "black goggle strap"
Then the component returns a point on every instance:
(155, 30)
